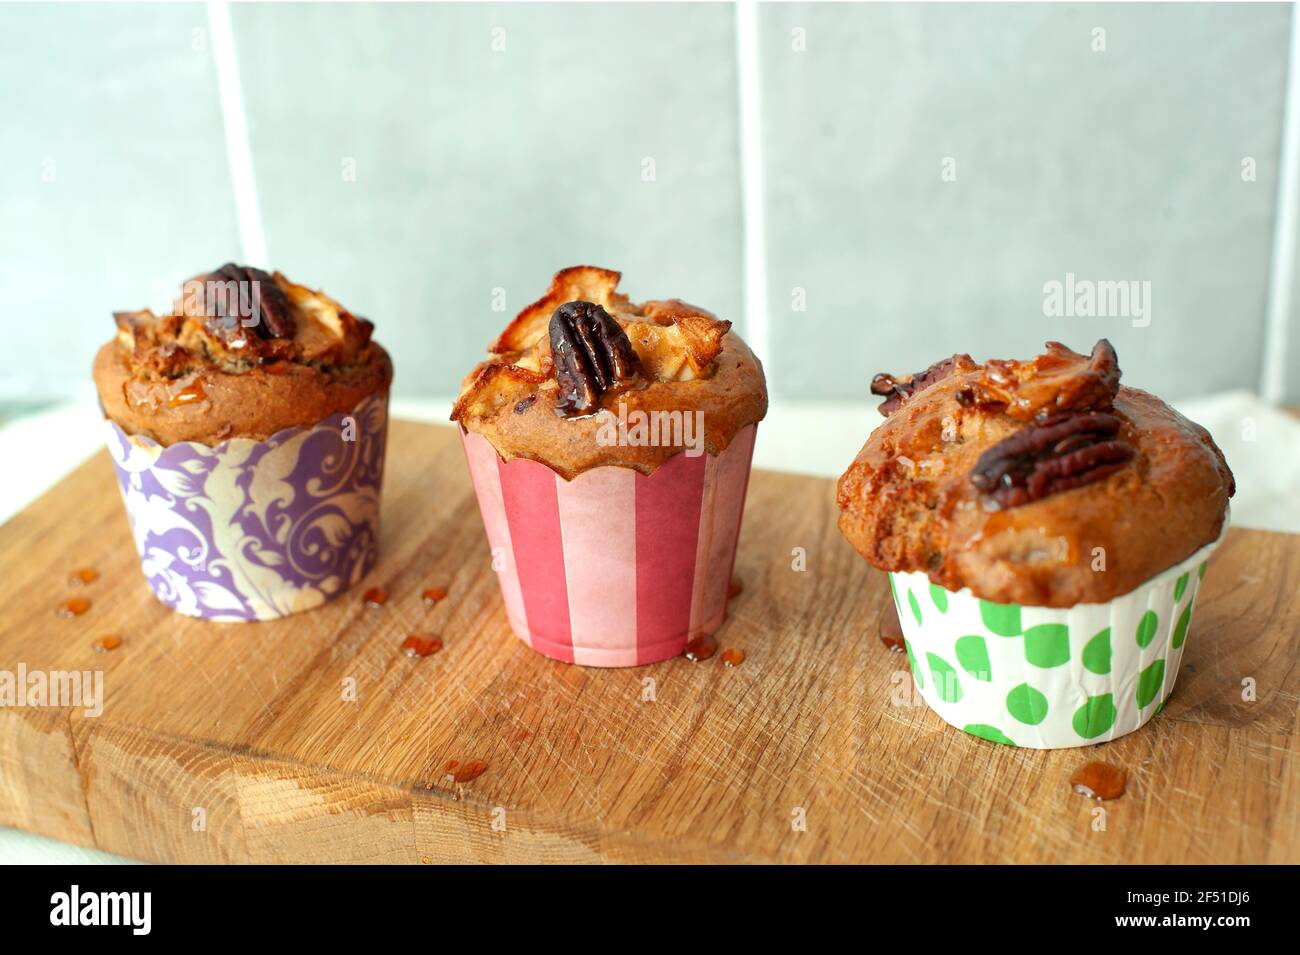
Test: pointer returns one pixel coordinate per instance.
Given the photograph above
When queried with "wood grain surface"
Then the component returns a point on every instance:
(237, 743)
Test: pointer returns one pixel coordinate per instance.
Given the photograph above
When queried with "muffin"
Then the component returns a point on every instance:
(1045, 530)
(248, 429)
(610, 445)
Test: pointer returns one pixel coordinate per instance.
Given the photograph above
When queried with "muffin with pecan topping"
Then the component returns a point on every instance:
(1042, 525)
(248, 429)
(610, 443)
(583, 349)
(243, 354)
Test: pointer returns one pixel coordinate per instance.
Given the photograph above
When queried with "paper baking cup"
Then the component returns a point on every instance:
(614, 568)
(255, 530)
(1048, 678)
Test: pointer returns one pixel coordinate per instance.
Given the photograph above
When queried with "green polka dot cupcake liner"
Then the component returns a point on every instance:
(1043, 677)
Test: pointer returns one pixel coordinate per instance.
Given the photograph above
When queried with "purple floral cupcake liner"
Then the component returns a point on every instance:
(257, 530)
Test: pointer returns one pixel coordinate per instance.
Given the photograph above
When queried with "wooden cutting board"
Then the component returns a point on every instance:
(235, 743)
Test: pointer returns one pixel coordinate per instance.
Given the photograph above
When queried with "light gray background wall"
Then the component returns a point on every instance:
(1122, 164)
(414, 159)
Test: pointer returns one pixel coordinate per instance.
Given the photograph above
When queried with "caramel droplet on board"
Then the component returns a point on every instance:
(84, 575)
(891, 631)
(737, 585)
(522, 735)
(188, 395)
(110, 642)
(417, 646)
(1099, 781)
(73, 607)
(451, 764)
(701, 648)
(732, 657)
(432, 595)
(471, 770)
(376, 597)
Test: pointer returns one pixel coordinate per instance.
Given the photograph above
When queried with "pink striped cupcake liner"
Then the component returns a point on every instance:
(614, 568)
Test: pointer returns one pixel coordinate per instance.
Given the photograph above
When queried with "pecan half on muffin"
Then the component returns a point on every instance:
(609, 443)
(584, 348)
(1039, 501)
(248, 429)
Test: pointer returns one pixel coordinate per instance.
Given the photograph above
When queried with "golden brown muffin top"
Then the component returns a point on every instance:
(243, 353)
(1040, 482)
(583, 363)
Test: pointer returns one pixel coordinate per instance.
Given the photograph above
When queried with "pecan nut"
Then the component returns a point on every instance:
(592, 355)
(897, 390)
(236, 293)
(1056, 454)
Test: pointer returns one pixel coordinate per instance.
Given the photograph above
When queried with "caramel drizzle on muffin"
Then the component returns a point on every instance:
(239, 318)
(1055, 381)
(1069, 439)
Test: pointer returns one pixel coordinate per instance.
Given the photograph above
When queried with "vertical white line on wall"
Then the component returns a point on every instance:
(757, 330)
(239, 154)
(1282, 268)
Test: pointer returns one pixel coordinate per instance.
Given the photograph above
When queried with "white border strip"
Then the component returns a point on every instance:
(239, 154)
(757, 330)
(1282, 268)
